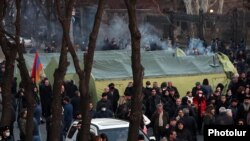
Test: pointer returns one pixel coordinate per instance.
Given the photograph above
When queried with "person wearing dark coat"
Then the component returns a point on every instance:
(70, 88)
(244, 109)
(124, 108)
(172, 126)
(146, 91)
(92, 111)
(221, 103)
(67, 113)
(129, 90)
(46, 97)
(36, 133)
(153, 100)
(198, 87)
(159, 121)
(223, 118)
(104, 101)
(182, 132)
(170, 86)
(104, 112)
(209, 118)
(5, 132)
(75, 101)
(190, 123)
(113, 96)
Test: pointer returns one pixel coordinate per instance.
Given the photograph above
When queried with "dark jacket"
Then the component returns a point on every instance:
(102, 103)
(155, 121)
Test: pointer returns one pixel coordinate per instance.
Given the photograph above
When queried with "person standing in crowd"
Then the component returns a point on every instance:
(244, 109)
(22, 123)
(113, 96)
(222, 118)
(147, 91)
(129, 89)
(70, 88)
(207, 87)
(159, 122)
(75, 101)
(46, 97)
(199, 102)
(234, 107)
(170, 86)
(182, 132)
(124, 108)
(67, 113)
(209, 117)
(153, 100)
(104, 101)
(157, 88)
(92, 111)
(197, 88)
(190, 123)
(221, 103)
(6, 135)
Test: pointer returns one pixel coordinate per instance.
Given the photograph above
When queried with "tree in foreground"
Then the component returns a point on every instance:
(137, 69)
(12, 46)
(84, 74)
(64, 10)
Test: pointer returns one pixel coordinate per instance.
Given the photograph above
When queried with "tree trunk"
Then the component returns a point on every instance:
(28, 86)
(64, 18)
(56, 107)
(84, 75)
(137, 68)
(10, 55)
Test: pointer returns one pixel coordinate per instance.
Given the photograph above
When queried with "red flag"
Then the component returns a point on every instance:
(37, 68)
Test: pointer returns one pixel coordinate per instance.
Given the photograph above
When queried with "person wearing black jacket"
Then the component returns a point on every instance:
(113, 96)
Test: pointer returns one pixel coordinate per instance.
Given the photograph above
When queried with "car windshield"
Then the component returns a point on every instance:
(118, 134)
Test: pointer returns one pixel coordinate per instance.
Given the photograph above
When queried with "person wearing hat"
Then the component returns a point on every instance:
(103, 101)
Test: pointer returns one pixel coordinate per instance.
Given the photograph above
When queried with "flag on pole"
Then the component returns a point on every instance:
(37, 68)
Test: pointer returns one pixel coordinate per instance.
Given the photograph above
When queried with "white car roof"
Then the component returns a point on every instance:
(107, 123)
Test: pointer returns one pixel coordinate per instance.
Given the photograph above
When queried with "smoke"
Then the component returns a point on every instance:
(116, 33)
(198, 47)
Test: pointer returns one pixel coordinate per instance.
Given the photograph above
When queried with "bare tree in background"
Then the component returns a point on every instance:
(64, 12)
(137, 68)
(84, 75)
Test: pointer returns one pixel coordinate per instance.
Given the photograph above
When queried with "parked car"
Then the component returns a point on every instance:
(115, 129)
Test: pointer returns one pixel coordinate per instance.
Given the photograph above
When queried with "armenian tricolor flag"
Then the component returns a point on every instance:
(37, 69)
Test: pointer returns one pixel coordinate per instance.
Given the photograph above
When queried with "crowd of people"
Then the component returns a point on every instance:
(171, 115)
